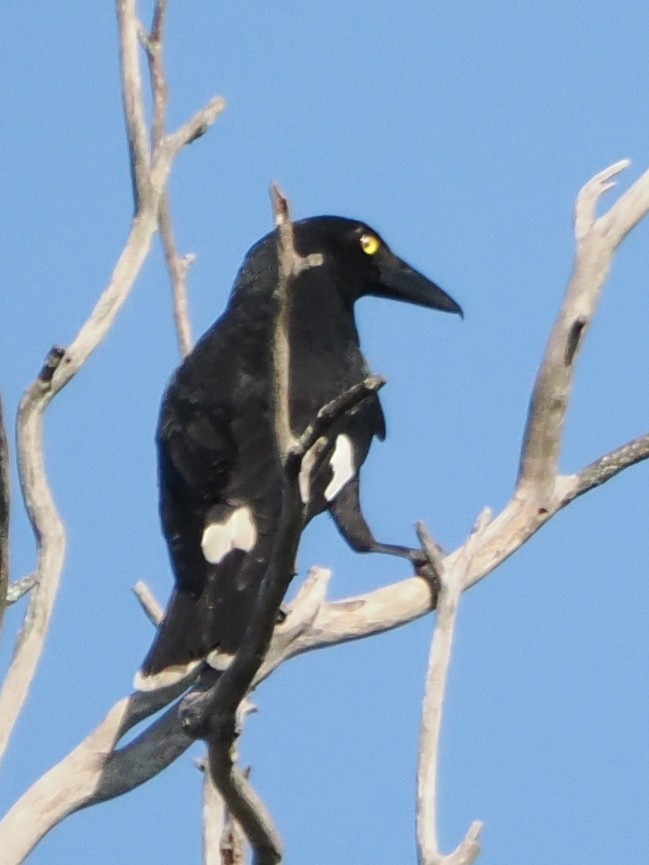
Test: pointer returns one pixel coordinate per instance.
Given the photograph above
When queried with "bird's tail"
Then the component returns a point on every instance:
(179, 645)
(197, 629)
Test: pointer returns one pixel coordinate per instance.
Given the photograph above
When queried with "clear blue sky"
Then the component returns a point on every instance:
(462, 131)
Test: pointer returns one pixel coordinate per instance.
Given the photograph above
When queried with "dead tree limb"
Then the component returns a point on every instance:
(596, 239)
(177, 265)
(97, 770)
(212, 715)
(19, 589)
(4, 516)
(451, 586)
(149, 171)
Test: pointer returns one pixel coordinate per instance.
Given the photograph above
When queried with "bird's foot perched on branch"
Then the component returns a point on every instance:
(428, 570)
(429, 563)
(199, 721)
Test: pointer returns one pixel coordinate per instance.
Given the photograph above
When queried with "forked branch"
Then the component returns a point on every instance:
(596, 242)
(150, 171)
(4, 516)
(97, 769)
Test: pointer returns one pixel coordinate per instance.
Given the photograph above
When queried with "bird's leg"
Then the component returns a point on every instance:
(346, 512)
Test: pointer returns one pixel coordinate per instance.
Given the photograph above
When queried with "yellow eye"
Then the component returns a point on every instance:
(370, 244)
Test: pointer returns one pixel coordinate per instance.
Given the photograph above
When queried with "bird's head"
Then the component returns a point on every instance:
(361, 263)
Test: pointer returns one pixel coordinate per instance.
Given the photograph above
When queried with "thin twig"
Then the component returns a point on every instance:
(173, 142)
(19, 589)
(177, 265)
(4, 516)
(603, 469)
(289, 266)
(287, 269)
(159, 90)
(129, 27)
(151, 607)
(334, 409)
(178, 268)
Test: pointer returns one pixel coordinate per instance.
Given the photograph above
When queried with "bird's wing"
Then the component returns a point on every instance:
(220, 490)
(196, 454)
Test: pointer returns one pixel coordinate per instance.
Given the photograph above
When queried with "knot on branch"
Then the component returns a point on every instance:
(51, 364)
(199, 719)
(574, 338)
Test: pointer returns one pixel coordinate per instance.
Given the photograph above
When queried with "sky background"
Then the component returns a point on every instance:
(462, 131)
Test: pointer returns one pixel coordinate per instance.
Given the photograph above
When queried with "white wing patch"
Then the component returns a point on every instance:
(237, 532)
(342, 466)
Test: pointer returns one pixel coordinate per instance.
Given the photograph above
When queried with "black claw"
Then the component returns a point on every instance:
(425, 569)
(418, 558)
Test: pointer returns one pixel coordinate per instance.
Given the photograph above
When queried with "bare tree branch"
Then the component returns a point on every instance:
(19, 589)
(289, 266)
(245, 805)
(233, 842)
(50, 537)
(224, 842)
(211, 715)
(603, 469)
(213, 817)
(177, 266)
(4, 516)
(452, 584)
(149, 178)
(136, 131)
(96, 770)
(173, 142)
(153, 43)
(597, 240)
(152, 609)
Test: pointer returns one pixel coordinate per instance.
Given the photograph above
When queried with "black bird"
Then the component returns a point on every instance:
(219, 471)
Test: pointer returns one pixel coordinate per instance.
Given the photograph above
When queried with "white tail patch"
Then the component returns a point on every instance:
(219, 660)
(237, 532)
(165, 678)
(342, 466)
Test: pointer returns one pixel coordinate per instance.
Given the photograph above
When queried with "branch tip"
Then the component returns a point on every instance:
(152, 609)
(20, 588)
(484, 518)
(281, 208)
(432, 549)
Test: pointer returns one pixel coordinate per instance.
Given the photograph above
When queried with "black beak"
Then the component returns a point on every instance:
(398, 281)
